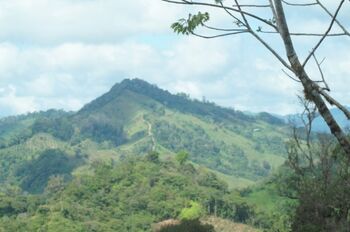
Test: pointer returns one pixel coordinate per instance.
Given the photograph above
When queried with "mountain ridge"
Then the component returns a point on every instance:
(135, 117)
(319, 125)
(175, 101)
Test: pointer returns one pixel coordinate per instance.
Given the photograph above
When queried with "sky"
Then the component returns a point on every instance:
(64, 53)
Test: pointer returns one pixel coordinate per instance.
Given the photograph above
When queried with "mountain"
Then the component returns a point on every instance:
(120, 163)
(135, 117)
(319, 125)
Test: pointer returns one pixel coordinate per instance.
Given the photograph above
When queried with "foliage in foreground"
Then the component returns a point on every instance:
(322, 186)
(129, 196)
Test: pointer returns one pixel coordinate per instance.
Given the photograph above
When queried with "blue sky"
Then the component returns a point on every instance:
(63, 53)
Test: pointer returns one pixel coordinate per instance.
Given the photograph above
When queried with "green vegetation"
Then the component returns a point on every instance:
(139, 155)
(321, 185)
(35, 174)
(58, 127)
(181, 157)
(193, 212)
(211, 147)
(128, 196)
(136, 117)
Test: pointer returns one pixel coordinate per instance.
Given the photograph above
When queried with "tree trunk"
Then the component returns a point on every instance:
(215, 208)
(310, 87)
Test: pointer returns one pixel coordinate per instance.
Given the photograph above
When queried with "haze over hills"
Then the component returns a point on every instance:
(319, 125)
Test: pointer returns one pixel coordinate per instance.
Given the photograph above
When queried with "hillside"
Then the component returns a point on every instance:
(135, 117)
(129, 196)
(222, 139)
(98, 169)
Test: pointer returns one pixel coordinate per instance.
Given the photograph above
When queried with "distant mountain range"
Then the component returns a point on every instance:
(319, 125)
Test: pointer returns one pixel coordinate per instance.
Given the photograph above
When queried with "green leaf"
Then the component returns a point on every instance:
(187, 26)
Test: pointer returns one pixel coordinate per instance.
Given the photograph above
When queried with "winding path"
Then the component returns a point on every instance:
(150, 133)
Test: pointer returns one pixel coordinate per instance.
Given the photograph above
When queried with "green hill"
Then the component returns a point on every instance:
(135, 117)
(142, 116)
(97, 169)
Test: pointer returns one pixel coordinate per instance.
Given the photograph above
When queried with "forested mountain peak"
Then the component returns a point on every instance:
(180, 102)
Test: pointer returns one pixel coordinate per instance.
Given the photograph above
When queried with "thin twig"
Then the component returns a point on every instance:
(299, 4)
(266, 45)
(251, 5)
(321, 72)
(262, 41)
(305, 34)
(220, 35)
(330, 14)
(294, 79)
(272, 6)
(220, 29)
(232, 15)
(243, 16)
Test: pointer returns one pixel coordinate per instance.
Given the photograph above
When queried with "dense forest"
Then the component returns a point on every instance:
(132, 195)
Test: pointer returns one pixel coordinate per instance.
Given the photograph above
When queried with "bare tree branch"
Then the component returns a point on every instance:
(232, 15)
(299, 4)
(306, 34)
(183, 2)
(221, 29)
(310, 88)
(243, 16)
(325, 34)
(310, 111)
(321, 72)
(346, 32)
(266, 45)
(294, 79)
(334, 102)
(251, 5)
(220, 35)
(272, 6)
(263, 41)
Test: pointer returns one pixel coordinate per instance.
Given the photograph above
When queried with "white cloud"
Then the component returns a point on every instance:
(64, 53)
(188, 87)
(57, 21)
(14, 104)
(84, 71)
(198, 58)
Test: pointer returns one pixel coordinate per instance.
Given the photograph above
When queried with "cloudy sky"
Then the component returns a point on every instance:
(63, 53)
